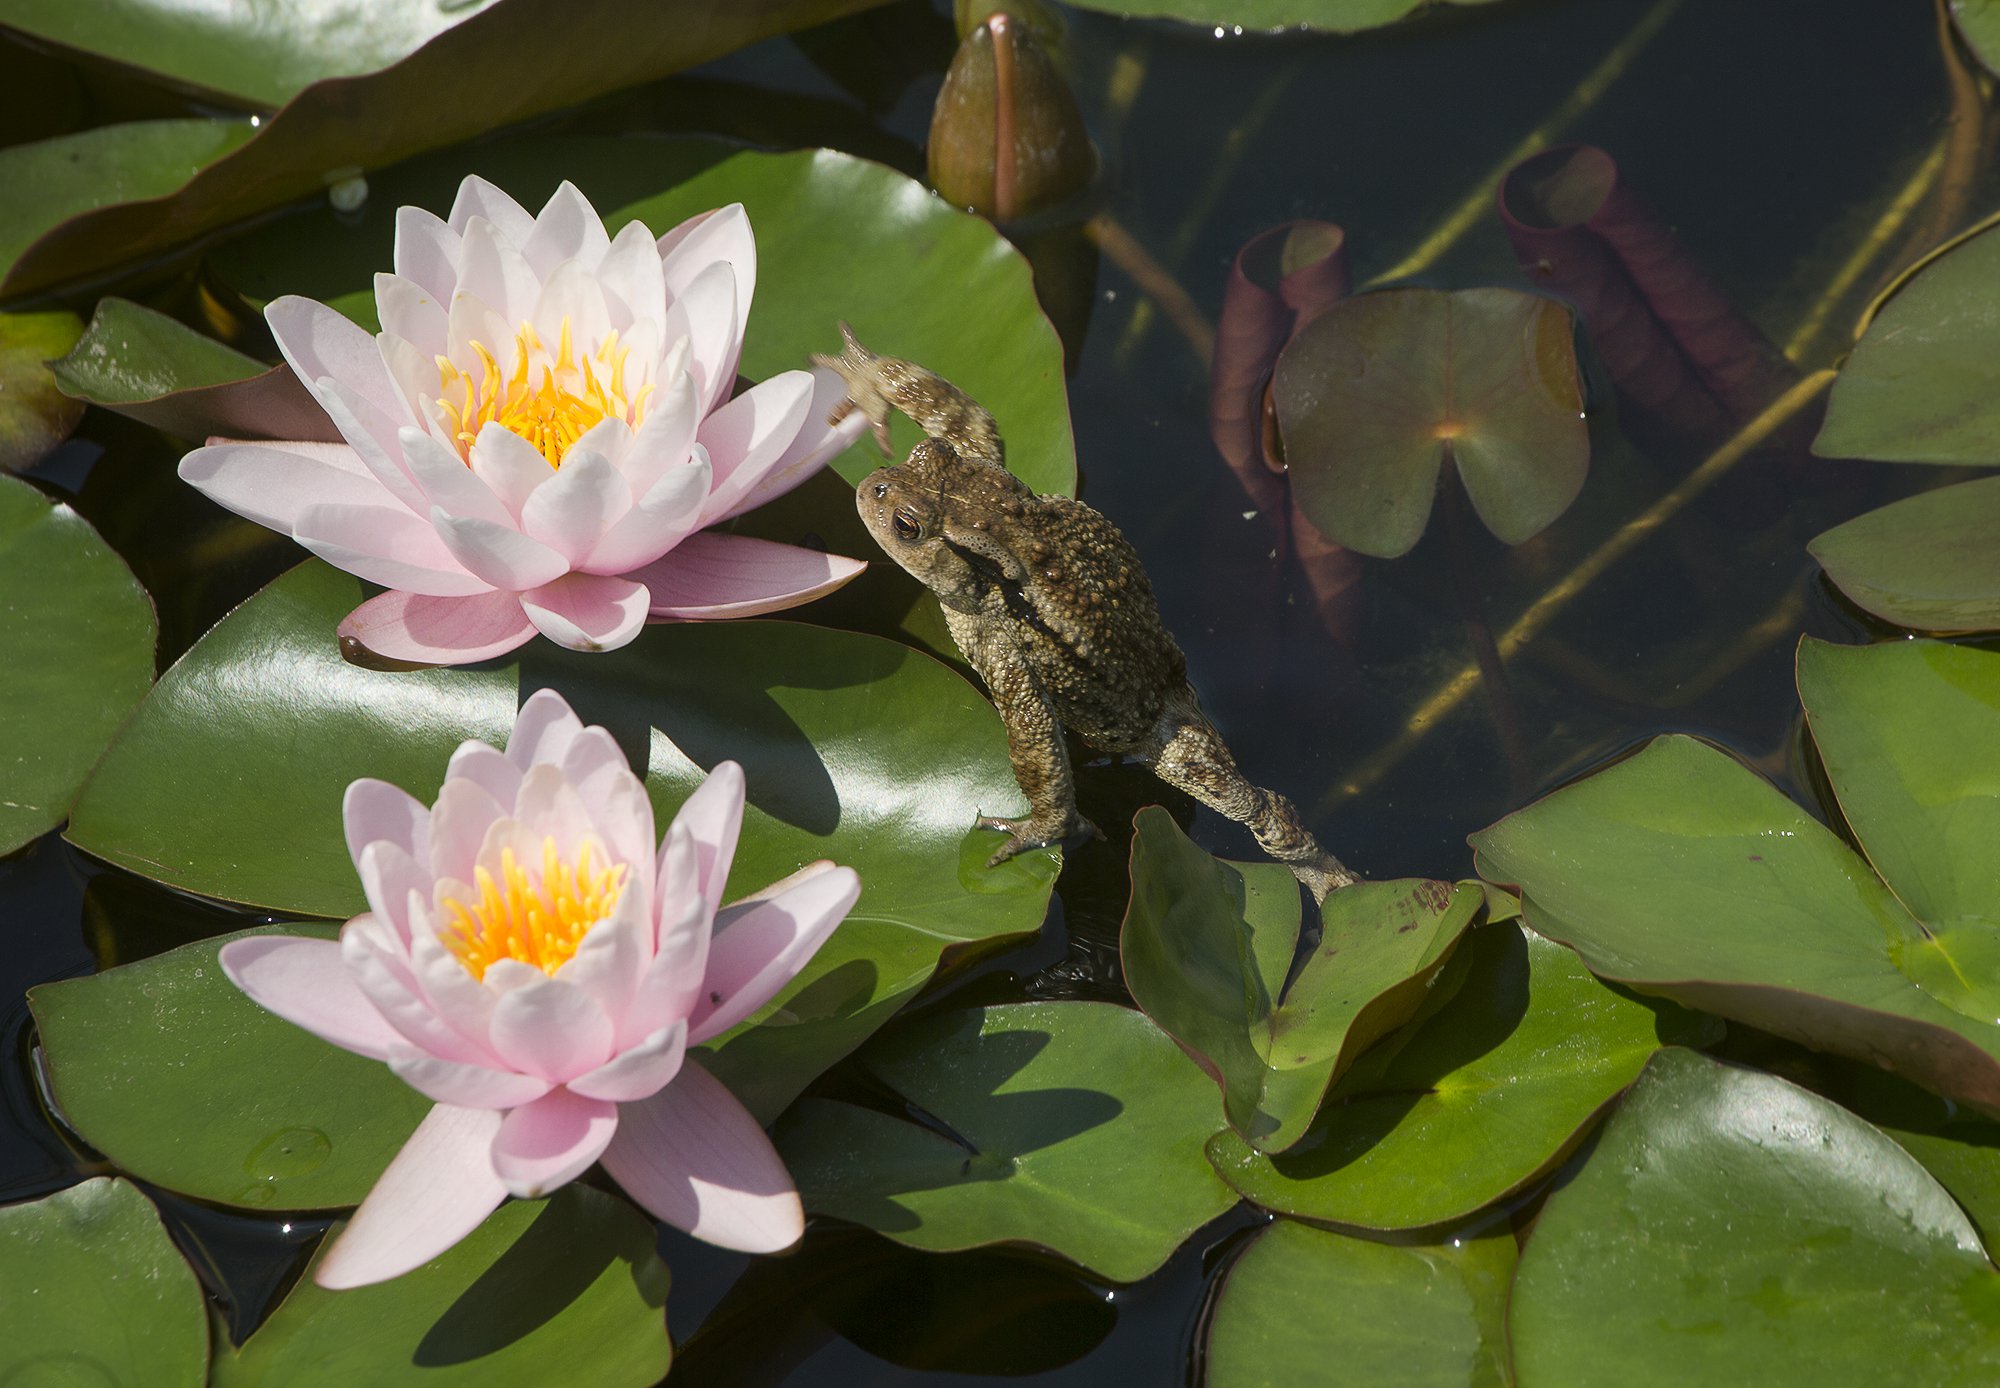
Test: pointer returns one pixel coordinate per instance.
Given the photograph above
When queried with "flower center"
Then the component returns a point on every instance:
(537, 918)
(549, 399)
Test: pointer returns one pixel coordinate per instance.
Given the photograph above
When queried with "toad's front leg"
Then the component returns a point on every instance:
(876, 385)
(1035, 747)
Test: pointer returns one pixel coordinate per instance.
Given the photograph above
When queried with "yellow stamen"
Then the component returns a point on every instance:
(538, 919)
(572, 394)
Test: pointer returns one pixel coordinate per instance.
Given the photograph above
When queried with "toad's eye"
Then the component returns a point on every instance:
(907, 525)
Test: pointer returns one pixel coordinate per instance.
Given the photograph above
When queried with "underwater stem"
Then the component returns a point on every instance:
(1155, 281)
(1479, 632)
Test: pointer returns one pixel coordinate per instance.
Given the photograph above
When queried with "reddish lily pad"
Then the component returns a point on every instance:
(1378, 393)
(1207, 948)
(1927, 562)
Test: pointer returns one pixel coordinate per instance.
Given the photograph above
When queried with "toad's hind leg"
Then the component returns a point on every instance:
(1188, 754)
(876, 385)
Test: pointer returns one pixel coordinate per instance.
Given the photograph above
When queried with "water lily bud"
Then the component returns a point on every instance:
(1007, 139)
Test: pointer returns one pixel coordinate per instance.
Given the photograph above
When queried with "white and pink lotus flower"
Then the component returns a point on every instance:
(532, 963)
(540, 434)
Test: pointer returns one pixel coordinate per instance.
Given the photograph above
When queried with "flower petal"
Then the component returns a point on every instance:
(499, 554)
(467, 806)
(510, 466)
(723, 235)
(640, 1072)
(550, 1142)
(381, 968)
(746, 437)
(571, 298)
(305, 982)
(491, 266)
(438, 1189)
(411, 312)
(713, 818)
(479, 198)
(320, 342)
(373, 809)
(544, 727)
(271, 483)
(630, 273)
(817, 441)
(695, 1157)
(385, 545)
(422, 630)
(705, 313)
(711, 575)
(567, 228)
(552, 1030)
(373, 435)
(672, 981)
(571, 511)
(447, 482)
(762, 943)
(668, 513)
(426, 252)
(612, 957)
(665, 439)
(469, 1086)
(587, 612)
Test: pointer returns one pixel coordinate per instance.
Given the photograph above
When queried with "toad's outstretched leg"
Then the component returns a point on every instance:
(1188, 753)
(877, 385)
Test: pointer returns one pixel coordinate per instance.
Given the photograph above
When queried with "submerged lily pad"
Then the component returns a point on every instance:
(92, 1291)
(1417, 1315)
(1926, 562)
(1332, 16)
(825, 723)
(34, 416)
(170, 1070)
(1682, 873)
(1733, 1228)
(1377, 393)
(563, 1290)
(1502, 1075)
(1207, 949)
(161, 372)
(1919, 386)
(78, 634)
(512, 60)
(1072, 1126)
(837, 238)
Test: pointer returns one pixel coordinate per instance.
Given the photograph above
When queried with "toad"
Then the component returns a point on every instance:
(1049, 604)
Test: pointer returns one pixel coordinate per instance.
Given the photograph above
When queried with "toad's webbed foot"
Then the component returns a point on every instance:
(860, 370)
(1033, 831)
(878, 386)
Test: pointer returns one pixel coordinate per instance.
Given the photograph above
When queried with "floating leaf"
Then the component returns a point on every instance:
(161, 372)
(1926, 562)
(1491, 1088)
(1415, 1315)
(1733, 1228)
(167, 1068)
(34, 416)
(1682, 873)
(1959, 1147)
(837, 238)
(55, 182)
(1979, 22)
(92, 1291)
(1379, 391)
(1918, 387)
(1332, 16)
(78, 632)
(563, 1290)
(821, 721)
(1207, 948)
(1072, 1126)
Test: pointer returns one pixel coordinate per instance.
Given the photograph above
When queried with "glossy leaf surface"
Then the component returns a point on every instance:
(1927, 562)
(92, 1291)
(1502, 1074)
(1336, 16)
(1731, 1227)
(1377, 393)
(1207, 948)
(78, 633)
(1072, 1126)
(34, 416)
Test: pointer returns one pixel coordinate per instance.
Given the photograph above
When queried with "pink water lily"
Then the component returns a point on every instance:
(531, 963)
(540, 433)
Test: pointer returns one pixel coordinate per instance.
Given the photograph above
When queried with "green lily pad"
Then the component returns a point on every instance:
(1207, 947)
(167, 1068)
(1332, 16)
(1477, 1099)
(1959, 1147)
(92, 1291)
(56, 181)
(78, 632)
(1376, 394)
(837, 238)
(1918, 387)
(821, 720)
(34, 416)
(1682, 873)
(1415, 1315)
(1979, 22)
(1925, 562)
(513, 60)
(1071, 1126)
(161, 372)
(1733, 1228)
(563, 1290)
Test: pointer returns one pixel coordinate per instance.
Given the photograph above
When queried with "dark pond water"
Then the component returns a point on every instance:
(1770, 135)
